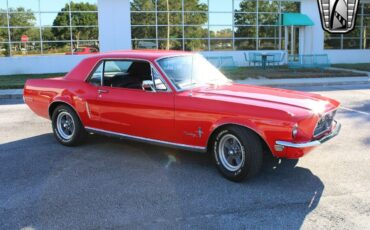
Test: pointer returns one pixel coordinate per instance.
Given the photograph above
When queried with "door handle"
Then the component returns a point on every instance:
(100, 91)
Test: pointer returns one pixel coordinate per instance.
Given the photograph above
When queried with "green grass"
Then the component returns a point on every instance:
(356, 66)
(284, 72)
(17, 81)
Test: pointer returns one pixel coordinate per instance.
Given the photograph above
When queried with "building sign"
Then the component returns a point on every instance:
(338, 16)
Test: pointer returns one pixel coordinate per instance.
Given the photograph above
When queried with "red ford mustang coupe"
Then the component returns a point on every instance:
(178, 99)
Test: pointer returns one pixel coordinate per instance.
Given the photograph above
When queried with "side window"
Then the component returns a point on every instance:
(158, 83)
(96, 78)
(127, 74)
(116, 74)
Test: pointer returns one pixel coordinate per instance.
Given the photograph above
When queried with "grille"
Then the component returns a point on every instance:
(325, 123)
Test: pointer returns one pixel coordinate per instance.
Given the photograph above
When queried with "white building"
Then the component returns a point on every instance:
(213, 27)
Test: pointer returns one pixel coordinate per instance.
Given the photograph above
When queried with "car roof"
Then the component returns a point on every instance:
(141, 54)
(84, 68)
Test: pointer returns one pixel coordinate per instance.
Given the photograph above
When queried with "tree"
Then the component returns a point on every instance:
(169, 19)
(6, 51)
(22, 19)
(268, 21)
(3, 31)
(86, 23)
(245, 19)
(47, 34)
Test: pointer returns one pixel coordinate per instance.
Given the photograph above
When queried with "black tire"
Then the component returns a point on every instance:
(251, 148)
(78, 134)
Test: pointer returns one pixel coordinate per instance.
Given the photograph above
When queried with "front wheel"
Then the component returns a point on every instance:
(67, 127)
(238, 153)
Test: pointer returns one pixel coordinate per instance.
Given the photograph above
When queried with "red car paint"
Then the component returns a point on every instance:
(182, 118)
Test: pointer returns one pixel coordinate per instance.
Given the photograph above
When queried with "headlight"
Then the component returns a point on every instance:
(325, 123)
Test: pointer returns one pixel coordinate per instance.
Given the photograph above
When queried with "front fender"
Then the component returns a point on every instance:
(232, 121)
(268, 131)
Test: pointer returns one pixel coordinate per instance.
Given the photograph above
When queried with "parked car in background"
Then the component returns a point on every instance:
(83, 50)
(179, 99)
(146, 45)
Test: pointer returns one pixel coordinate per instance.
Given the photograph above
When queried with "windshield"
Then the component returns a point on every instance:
(191, 70)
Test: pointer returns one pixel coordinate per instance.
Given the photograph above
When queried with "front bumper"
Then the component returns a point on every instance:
(280, 145)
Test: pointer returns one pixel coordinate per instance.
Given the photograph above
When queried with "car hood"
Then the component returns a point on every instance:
(241, 93)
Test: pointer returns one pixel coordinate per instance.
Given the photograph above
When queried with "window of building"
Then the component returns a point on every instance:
(358, 38)
(203, 25)
(37, 27)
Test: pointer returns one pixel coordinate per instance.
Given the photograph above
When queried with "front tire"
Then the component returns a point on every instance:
(238, 153)
(67, 127)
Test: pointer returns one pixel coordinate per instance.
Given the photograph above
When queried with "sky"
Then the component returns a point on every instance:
(45, 5)
(55, 5)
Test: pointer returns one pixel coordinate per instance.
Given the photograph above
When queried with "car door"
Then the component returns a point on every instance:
(125, 107)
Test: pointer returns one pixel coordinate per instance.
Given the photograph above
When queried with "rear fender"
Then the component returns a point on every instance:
(67, 100)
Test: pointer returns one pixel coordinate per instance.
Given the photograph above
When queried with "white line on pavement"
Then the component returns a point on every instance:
(356, 111)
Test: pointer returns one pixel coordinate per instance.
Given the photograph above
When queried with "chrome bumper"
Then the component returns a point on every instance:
(281, 144)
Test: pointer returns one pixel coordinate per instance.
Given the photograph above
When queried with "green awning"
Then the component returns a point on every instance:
(296, 19)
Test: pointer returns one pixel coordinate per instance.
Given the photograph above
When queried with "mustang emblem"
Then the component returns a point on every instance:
(199, 133)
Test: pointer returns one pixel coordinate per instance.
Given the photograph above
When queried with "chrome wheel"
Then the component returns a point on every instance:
(231, 153)
(65, 125)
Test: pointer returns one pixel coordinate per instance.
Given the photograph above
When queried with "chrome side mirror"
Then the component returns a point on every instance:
(159, 85)
(148, 85)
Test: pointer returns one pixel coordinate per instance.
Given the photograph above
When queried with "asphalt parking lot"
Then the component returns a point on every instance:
(115, 184)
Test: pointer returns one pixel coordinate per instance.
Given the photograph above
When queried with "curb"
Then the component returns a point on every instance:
(352, 70)
(307, 81)
(11, 94)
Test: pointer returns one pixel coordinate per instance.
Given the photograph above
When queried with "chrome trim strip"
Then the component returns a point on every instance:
(298, 145)
(148, 140)
(88, 110)
(334, 133)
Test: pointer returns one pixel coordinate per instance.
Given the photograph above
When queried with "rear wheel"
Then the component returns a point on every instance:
(238, 153)
(67, 127)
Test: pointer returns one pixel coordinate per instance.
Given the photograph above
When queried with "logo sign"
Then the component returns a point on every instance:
(24, 38)
(338, 16)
